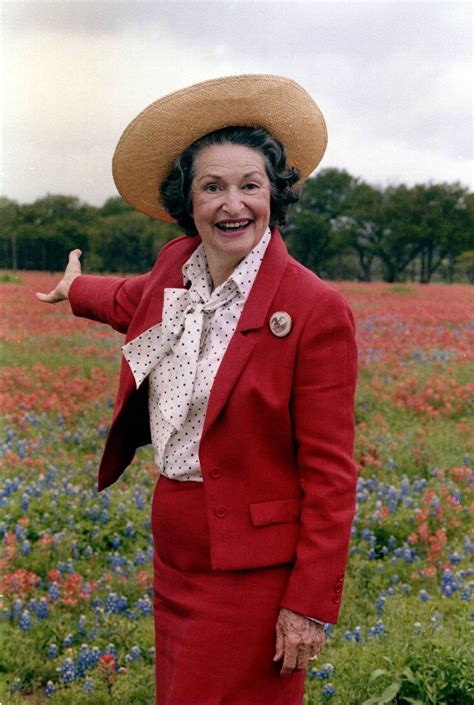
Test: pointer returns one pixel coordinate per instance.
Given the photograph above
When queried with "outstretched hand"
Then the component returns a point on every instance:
(61, 291)
(298, 640)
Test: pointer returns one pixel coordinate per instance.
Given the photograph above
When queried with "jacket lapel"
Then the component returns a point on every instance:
(251, 321)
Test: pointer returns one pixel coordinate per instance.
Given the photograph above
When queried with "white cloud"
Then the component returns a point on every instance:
(391, 78)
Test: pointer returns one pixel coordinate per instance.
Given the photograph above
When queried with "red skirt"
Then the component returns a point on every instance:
(214, 630)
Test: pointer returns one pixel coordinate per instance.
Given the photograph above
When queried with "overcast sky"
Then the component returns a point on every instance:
(393, 79)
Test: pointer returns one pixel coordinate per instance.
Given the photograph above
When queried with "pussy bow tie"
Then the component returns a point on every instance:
(174, 346)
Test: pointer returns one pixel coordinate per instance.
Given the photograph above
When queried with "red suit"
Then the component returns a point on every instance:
(279, 480)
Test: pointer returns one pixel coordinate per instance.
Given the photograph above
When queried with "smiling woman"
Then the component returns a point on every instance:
(239, 367)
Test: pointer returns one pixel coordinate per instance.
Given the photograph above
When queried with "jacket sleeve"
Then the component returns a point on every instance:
(323, 417)
(111, 300)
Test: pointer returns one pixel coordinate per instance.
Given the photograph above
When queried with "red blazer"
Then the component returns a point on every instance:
(277, 443)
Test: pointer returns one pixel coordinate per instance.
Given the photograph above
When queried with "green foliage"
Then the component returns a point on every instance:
(113, 238)
(342, 228)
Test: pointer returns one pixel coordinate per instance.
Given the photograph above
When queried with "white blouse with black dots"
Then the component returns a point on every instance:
(181, 356)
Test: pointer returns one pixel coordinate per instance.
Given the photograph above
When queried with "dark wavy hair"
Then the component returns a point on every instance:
(176, 189)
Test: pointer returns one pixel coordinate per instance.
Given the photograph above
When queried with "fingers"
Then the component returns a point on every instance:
(280, 645)
(296, 653)
(52, 298)
(290, 658)
(304, 653)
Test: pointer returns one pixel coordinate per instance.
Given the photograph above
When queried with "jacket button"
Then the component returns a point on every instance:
(336, 599)
(340, 577)
(220, 511)
(215, 473)
(338, 588)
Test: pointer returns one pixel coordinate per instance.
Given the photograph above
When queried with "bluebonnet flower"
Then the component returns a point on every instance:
(68, 640)
(329, 691)
(138, 497)
(88, 551)
(52, 650)
(378, 629)
(81, 625)
(68, 671)
(423, 595)
(312, 673)
(380, 604)
(145, 605)
(42, 610)
(115, 604)
(25, 621)
(74, 549)
(88, 686)
(129, 529)
(135, 653)
(20, 533)
(466, 593)
(111, 650)
(116, 540)
(53, 591)
(49, 690)
(140, 558)
(327, 669)
(417, 628)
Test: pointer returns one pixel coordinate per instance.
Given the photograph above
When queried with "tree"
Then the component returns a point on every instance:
(8, 234)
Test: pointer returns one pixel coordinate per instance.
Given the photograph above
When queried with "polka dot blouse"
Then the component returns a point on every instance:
(181, 356)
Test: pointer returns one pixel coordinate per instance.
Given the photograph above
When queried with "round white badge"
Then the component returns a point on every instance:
(280, 323)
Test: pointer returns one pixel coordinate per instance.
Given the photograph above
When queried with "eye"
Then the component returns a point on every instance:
(251, 187)
(212, 188)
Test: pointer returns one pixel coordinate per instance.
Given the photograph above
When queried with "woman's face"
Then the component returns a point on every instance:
(230, 200)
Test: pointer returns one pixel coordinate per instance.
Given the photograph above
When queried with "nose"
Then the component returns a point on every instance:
(232, 204)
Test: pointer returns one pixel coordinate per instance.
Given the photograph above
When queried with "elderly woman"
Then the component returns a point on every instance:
(239, 367)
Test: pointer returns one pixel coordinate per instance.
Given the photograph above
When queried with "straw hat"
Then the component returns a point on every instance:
(159, 134)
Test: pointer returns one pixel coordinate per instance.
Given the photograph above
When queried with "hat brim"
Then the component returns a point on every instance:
(154, 140)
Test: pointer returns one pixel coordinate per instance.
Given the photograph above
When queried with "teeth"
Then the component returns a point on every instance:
(235, 226)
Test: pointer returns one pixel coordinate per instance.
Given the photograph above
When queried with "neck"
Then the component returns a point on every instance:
(220, 271)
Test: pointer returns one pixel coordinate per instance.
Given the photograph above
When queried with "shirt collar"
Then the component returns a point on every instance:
(196, 271)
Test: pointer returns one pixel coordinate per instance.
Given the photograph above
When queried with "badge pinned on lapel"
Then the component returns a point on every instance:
(280, 323)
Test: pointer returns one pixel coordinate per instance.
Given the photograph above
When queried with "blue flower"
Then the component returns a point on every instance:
(68, 671)
(42, 610)
(145, 605)
(329, 691)
(423, 595)
(135, 653)
(25, 621)
(88, 686)
(49, 690)
(52, 650)
(68, 641)
(116, 540)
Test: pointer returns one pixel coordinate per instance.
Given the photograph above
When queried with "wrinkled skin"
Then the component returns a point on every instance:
(61, 291)
(297, 641)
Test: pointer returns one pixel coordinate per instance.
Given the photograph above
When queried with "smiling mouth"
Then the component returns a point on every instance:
(229, 226)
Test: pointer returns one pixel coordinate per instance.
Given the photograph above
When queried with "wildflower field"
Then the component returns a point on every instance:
(76, 570)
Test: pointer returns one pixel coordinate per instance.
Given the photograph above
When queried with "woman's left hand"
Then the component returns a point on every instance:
(297, 640)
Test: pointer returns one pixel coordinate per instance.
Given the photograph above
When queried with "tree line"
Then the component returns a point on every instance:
(342, 228)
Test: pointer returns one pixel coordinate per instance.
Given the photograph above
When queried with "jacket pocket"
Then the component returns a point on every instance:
(277, 511)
